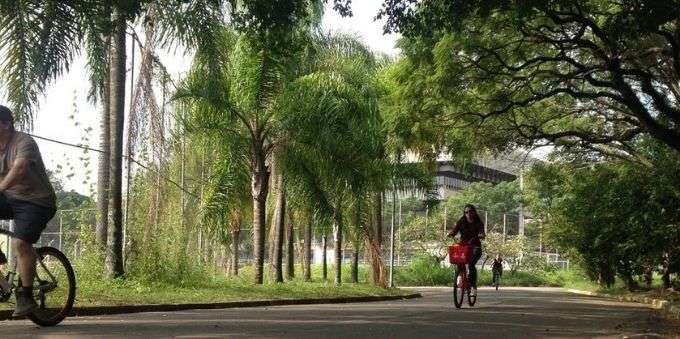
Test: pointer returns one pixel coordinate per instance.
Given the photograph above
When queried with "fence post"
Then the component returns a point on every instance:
(394, 210)
(445, 218)
(61, 230)
(504, 230)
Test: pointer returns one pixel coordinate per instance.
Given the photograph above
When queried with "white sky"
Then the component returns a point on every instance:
(52, 120)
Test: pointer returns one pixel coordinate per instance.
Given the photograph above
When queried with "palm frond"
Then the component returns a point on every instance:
(38, 40)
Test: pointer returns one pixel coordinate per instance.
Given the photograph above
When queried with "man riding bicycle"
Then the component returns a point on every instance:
(27, 196)
(471, 230)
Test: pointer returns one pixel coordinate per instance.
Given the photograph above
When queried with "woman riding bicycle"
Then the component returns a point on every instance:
(471, 230)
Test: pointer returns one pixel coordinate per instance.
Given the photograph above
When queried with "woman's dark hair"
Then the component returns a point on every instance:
(477, 219)
(6, 115)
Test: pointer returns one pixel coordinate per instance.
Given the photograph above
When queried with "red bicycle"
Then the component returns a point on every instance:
(460, 256)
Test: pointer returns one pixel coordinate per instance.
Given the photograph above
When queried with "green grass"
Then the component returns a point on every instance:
(131, 292)
(214, 289)
(619, 289)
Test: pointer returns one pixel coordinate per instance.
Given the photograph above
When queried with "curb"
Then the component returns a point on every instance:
(664, 306)
(123, 309)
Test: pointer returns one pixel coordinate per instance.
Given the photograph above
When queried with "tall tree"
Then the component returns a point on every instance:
(114, 247)
(588, 75)
(241, 96)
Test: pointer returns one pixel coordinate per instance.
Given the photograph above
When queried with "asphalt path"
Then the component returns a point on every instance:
(508, 313)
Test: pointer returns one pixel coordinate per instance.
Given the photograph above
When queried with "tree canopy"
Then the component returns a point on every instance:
(587, 75)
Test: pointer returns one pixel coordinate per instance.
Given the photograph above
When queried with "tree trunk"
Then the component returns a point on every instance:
(378, 219)
(324, 264)
(290, 248)
(279, 229)
(355, 264)
(235, 242)
(114, 253)
(666, 272)
(648, 276)
(308, 251)
(103, 170)
(259, 187)
(374, 243)
(338, 248)
(606, 275)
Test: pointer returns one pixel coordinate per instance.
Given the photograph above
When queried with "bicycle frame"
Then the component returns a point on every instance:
(7, 281)
(465, 284)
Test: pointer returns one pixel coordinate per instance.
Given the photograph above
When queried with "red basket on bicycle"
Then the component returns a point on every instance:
(460, 254)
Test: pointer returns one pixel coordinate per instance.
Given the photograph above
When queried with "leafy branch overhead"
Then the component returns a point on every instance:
(591, 75)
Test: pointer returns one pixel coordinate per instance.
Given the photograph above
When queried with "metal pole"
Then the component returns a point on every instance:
(486, 221)
(399, 254)
(445, 218)
(504, 232)
(394, 211)
(540, 240)
(521, 206)
(10, 252)
(61, 231)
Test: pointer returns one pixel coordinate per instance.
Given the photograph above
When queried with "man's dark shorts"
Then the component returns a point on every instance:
(29, 219)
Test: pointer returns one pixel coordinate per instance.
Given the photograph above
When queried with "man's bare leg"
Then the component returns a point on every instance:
(25, 261)
(26, 268)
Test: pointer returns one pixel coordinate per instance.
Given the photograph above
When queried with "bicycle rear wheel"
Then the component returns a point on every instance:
(54, 287)
(458, 287)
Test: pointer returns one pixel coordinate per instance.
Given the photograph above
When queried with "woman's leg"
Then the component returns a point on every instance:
(476, 254)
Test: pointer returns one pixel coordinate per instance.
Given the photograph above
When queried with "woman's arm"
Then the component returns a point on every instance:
(454, 231)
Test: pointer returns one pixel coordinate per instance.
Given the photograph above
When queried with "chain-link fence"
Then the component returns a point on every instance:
(64, 231)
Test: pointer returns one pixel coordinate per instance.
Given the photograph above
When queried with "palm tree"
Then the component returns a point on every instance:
(227, 198)
(58, 29)
(333, 126)
(241, 97)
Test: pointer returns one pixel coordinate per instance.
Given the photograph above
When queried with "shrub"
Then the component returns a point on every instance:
(425, 270)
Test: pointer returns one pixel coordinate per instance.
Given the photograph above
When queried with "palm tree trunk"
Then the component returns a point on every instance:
(259, 187)
(374, 243)
(290, 248)
(114, 253)
(235, 242)
(308, 251)
(103, 170)
(355, 263)
(338, 248)
(279, 229)
(324, 259)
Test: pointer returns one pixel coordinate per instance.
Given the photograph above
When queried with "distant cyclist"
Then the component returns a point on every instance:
(471, 230)
(497, 268)
(27, 196)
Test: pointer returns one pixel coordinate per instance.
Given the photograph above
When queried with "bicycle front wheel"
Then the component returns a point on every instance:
(472, 299)
(54, 288)
(458, 287)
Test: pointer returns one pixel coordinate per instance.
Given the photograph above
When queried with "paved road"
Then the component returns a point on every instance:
(509, 313)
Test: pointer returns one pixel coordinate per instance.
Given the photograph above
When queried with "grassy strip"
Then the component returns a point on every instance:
(619, 290)
(134, 293)
(215, 289)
